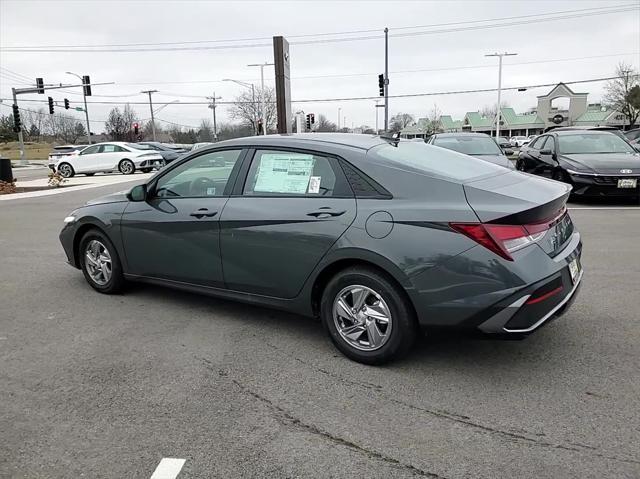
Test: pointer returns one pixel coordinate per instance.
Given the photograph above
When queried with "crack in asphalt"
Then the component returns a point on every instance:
(464, 420)
(286, 418)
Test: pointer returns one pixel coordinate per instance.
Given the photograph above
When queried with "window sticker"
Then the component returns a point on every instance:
(211, 191)
(314, 184)
(284, 173)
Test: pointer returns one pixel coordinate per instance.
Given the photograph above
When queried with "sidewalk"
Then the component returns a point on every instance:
(76, 183)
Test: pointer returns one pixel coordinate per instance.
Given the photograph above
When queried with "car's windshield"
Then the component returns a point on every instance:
(139, 146)
(436, 161)
(469, 145)
(592, 143)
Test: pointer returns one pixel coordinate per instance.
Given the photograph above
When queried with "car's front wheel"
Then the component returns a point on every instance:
(368, 317)
(66, 170)
(100, 263)
(127, 167)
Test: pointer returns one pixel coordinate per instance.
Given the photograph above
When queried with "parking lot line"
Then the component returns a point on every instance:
(168, 468)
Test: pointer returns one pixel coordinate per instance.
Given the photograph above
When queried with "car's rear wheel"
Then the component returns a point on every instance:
(368, 317)
(127, 167)
(66, 170)
(100, 263)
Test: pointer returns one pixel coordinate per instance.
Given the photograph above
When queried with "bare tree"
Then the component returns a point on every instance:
(433, 120)
(63, 128)
(34, 122)
(249, 112)
(400, 121)
(323, 124)
(490, 111)
(620, 93)
(119, 124)
(205, 132)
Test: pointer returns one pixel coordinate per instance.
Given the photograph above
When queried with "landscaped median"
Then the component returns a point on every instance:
(42, 186)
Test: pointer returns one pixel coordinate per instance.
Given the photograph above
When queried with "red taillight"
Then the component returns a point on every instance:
(501, 239)
(544, 296)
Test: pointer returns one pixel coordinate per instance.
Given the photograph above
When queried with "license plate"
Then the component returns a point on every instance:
(574, 269)
(627, 182)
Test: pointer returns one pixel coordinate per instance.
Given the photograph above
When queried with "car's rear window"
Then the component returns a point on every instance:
(437, 161)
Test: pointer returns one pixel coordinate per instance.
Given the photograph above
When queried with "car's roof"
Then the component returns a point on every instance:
(463, 134)
(581, 132)
(354, 140)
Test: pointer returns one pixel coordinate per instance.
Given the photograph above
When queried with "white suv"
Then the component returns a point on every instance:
(519, 141)
(108, 157)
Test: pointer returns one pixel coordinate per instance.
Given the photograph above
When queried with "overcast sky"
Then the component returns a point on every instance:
(456, 58)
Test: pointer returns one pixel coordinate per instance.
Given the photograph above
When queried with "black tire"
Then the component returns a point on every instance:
(559, 175)
(116, 281)
(146, 170)
(404, 325)
(519, 165)
(127, 167)
(65, 170)
(89, 174)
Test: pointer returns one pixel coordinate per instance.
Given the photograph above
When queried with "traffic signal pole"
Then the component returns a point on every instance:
(23, 160)
(386, 79)
(153, 123)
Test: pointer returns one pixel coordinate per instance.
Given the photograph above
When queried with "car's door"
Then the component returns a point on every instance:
(109, 157)
(547, 160)
(174, 234)
(86, 160)
(282, 219)
(530, 155)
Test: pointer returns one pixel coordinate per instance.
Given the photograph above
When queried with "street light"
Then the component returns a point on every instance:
(499, 55)
(253, 97)
(86, 112)
(262, 104)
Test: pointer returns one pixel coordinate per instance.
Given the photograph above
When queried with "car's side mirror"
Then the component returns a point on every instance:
(138, 193)
(546, 152)
(508, 151)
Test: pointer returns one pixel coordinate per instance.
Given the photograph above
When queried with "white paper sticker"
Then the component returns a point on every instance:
(314, 184)
(211, 191)
(284, 173)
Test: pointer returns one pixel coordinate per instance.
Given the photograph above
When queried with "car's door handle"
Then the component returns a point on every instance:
(203, 213)
(326, 213)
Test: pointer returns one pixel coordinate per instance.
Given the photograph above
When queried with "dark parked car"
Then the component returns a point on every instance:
(378, 238)
(594, 162)
(633, 136)
(168, 154)
(479, 145)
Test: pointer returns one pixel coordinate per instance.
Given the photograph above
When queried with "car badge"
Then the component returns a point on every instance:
(626, 171)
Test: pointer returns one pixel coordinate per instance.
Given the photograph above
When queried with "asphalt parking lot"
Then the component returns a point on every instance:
(108, 386)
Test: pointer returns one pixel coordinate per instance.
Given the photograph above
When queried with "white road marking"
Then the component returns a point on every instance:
(169, 468)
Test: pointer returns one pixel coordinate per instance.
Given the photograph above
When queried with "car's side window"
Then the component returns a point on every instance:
(109, 148)
(537, 143)
(201, 177)
(91, 150)
(549, 144)
(289, 173)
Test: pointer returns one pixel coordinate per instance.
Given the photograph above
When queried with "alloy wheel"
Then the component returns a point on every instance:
(65, 170)
(126, 167)
(98, 262)
(362, 318)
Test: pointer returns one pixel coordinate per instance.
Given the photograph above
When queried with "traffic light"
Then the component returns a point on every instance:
(40, 85)
(313, 118)
(381, 84)
(308, 121)
(17, 123)
(87, 85)
(50, 106)
(66, 104)
(135, 128)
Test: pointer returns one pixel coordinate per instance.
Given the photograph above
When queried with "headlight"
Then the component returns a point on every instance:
(69, 219)
(581, 173)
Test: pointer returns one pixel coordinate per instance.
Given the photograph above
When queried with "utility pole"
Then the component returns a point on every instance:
(213, 107)
(86, 112)
(262, 103)
(253, 98)
(499, 55)
(153, 124)
(339, 110)
(386, 79)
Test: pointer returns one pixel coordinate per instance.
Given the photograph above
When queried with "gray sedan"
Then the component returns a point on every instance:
(479, 145)
(378, 238)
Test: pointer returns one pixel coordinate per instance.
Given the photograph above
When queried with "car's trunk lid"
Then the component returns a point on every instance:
(516, 198)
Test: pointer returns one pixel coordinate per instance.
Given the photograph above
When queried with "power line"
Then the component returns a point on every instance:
(56, 114)
(321, 100)
(524, 19)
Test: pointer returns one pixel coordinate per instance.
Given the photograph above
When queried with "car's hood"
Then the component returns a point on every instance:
(604, 163)
(497, 160)
(112, 198)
